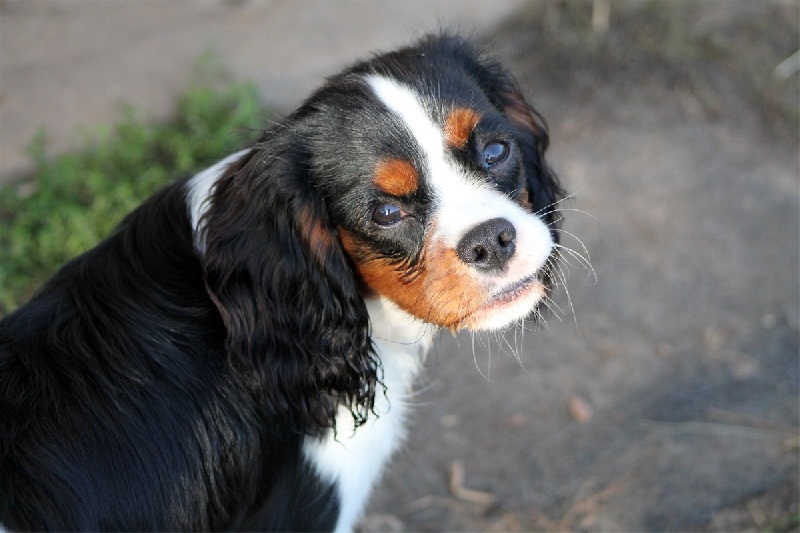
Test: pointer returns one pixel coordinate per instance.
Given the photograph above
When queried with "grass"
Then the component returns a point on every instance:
(71, 201)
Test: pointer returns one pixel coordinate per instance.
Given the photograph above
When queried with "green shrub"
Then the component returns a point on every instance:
(70, 202)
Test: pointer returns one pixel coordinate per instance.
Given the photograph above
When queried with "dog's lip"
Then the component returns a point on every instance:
(511, 291)
(506, 295)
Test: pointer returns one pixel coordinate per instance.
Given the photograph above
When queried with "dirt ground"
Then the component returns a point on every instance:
(663, 393)
(668, 400)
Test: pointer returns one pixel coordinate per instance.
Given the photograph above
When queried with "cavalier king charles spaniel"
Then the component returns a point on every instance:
(238, 354)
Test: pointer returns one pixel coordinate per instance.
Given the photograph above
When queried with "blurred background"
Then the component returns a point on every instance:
(662, 393)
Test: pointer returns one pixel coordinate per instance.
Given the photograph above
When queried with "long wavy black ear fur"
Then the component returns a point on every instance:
(274, 266)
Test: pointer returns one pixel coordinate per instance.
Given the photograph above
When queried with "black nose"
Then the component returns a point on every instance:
(489, 245)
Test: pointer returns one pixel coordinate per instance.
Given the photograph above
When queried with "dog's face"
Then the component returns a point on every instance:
(437, 188)
(417, 177)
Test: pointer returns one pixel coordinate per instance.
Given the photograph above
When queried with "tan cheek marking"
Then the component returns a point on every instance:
(459, 125)
(439, 290)
(396, 177)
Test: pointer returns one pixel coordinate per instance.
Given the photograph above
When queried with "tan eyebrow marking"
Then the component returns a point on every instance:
(396, 177)
(459, 125)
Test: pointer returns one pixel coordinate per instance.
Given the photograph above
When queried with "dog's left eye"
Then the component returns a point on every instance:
(387, 214)
(494, 153)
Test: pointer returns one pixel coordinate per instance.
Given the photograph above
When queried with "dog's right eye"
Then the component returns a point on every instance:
(387, 214)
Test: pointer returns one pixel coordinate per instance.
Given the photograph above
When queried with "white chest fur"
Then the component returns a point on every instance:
(354, 459)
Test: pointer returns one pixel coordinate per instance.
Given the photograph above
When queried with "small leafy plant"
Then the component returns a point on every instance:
(73, 200)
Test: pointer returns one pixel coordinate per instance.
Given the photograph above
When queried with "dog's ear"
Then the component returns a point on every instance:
(543, 187)
(276, 271)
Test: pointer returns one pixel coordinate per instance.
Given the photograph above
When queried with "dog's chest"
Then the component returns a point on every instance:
(353, 459)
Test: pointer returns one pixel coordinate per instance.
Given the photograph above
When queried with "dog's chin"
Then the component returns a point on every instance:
(506, 307)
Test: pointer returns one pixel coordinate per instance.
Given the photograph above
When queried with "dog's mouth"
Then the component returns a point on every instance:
(512, 291)
(507, 305)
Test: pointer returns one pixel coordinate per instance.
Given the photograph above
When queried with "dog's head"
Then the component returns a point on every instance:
(434, 175)
(418, 177)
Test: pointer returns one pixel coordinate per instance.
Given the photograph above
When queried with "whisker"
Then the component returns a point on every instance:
(502, 339)
(584, 263)
(541, 319)
(573, 210)
(475, 359)
(487, 349)
(565, 232)
(555, 223)
(518, 340)
(556, 202)
(585, 260)
(560, 274)
(550, 303)
(571, 254)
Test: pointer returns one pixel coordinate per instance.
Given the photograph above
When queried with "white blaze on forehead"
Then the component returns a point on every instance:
(448, 181)
(462, 200)
(406, 104)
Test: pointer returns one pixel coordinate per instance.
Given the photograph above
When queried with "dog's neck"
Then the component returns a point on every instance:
(401, 342)
(353, 458)
(393, 327)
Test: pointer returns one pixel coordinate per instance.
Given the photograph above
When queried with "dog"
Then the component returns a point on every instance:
(239, 352)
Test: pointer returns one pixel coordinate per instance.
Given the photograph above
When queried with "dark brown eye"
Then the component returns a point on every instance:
(387, 214)
(495, 152)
